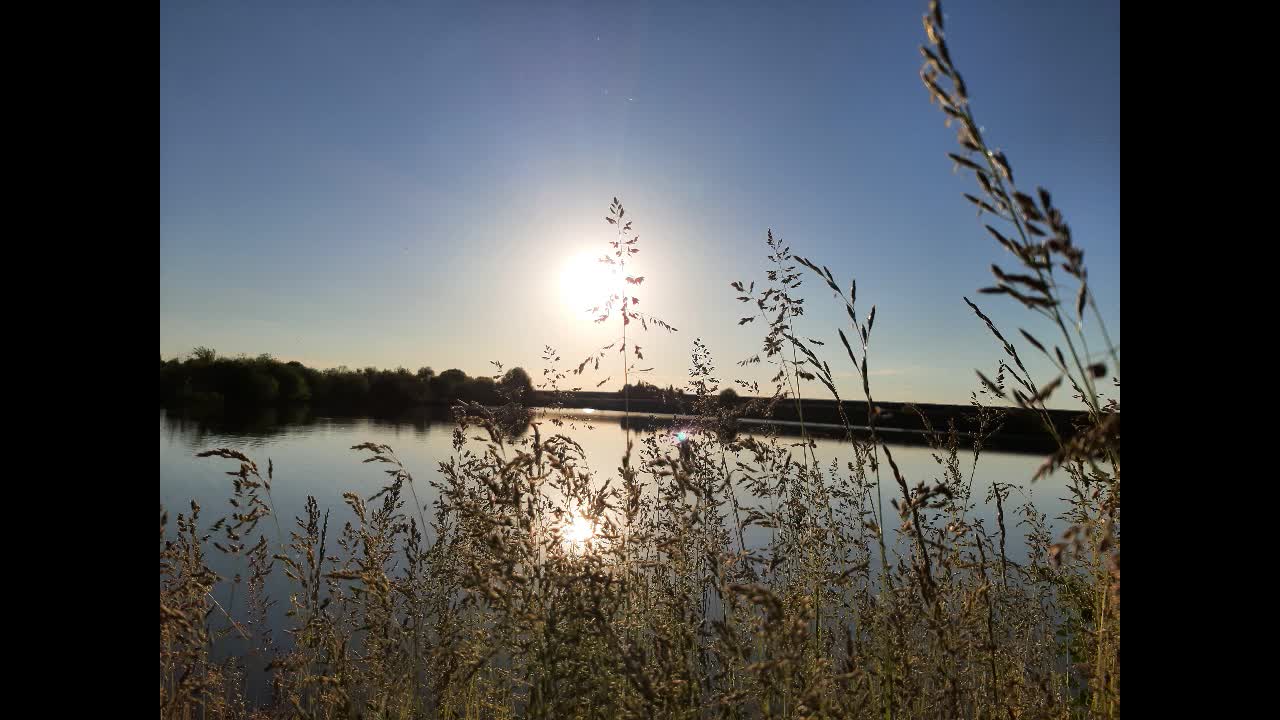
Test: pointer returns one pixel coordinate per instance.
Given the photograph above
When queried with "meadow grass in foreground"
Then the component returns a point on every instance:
(534, 587)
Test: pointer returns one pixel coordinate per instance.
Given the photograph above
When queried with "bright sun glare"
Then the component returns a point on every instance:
(578, 531)
(585, 282)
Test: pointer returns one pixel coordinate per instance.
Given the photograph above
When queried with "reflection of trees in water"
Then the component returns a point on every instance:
(266, 423)
(258, 424)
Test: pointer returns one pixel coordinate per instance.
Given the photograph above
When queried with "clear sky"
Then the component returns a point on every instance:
(410, 184)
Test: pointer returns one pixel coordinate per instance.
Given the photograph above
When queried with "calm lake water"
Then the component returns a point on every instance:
(312, 456)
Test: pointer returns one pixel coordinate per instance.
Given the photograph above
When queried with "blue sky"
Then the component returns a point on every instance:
(406, 183)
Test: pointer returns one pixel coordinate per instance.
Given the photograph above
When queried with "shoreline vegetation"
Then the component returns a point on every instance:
(201, 385)
(532, 587)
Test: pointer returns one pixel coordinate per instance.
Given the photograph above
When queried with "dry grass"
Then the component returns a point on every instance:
(727, 575)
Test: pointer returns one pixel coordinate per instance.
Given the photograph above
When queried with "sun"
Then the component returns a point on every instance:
(578, 532)
(585, 282)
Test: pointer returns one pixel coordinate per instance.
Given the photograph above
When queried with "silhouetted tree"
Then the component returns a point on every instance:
(445, 385)
(293, 385)
(642, 389)
(482, 390)
(347, 390)
(516, 386)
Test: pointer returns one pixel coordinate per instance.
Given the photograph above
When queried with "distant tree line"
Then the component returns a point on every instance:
(206, 379)
(646, 390)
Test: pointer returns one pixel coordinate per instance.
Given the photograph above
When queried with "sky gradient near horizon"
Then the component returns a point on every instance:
(403, 184)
